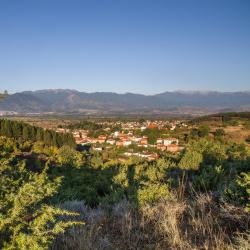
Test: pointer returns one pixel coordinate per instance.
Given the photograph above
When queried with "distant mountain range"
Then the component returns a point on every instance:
(72, 101)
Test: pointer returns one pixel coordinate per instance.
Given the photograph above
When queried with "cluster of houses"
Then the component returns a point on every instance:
(145, 154)
(132, 125)
(122, 139)
(4, 113)
(169, 144)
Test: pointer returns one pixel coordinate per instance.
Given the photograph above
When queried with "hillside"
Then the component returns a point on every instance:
(2, 97)
(223, 117)
(54, 196)
(66, 101)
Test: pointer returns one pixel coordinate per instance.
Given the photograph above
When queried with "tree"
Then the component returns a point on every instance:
(23, 131)
(152, 134)
(237, 152)
(39, 134)
(219, 132)
(248, 139)
(238, 191)
(26, 133)
(69, 157)
(203, 131)
(17, 130)
(191, 160)
(194, 133)
(47, 137)
(54, 140)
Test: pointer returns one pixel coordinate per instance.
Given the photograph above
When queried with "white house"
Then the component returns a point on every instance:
(110, 141)
(169, 141)
(159, 141)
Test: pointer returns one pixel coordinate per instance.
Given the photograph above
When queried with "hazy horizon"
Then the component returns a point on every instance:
(138, 93)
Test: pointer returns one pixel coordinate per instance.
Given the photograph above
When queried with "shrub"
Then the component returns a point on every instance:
(248, 139)
(238, 191)
(153, 193)
(191, 160)
(69, 157)
(26, 221)
(208, 178)
(219, 132)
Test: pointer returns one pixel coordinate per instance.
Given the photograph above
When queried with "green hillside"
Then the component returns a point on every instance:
(223, 117)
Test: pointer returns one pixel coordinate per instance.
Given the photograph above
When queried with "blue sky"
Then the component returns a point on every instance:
(141, 46)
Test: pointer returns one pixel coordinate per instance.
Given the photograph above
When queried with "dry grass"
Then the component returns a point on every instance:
(237, 133)
(176, 224)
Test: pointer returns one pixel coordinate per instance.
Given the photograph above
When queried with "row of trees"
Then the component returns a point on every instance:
(23, 131)
(87, 125)
(94, 129)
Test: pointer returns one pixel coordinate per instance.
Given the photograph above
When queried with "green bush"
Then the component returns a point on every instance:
(238, 191)
(191, 160)
(26, 221)
(153, 193)
(209, 178)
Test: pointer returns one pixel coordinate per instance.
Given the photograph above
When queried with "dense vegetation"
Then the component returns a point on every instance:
(224, 117)
(94, 129)
(198, 199)
(23, 131)
(87, 125)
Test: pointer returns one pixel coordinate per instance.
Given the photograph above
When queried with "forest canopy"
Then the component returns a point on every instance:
(24, 131)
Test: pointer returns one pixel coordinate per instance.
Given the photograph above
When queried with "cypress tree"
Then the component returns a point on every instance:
(26, 133)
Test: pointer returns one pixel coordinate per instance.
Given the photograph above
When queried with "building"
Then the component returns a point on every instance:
(144, 141)
(136, 139)
(173, 127)
(169, 141)
(111, 141)
(101, 138)
(97, 148)
(60, 130)
(152, 125)
(119, 143)
(116, 133)
(76, 135)
(127, 142)
(84, 133)
(173, 148)
(159, 141)
(161, 147)
(92, 140)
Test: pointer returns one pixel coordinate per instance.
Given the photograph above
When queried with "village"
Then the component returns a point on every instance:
(132, 136)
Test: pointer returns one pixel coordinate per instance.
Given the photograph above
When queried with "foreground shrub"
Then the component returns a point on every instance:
(26, 222)
(238, 191)
(153, 193)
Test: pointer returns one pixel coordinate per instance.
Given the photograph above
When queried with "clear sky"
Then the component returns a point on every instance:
(141, 46)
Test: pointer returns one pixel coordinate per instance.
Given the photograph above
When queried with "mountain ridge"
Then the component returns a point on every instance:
(70, 100)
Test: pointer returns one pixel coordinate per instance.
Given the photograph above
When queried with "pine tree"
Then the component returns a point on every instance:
(47, 137)
(26, 133)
